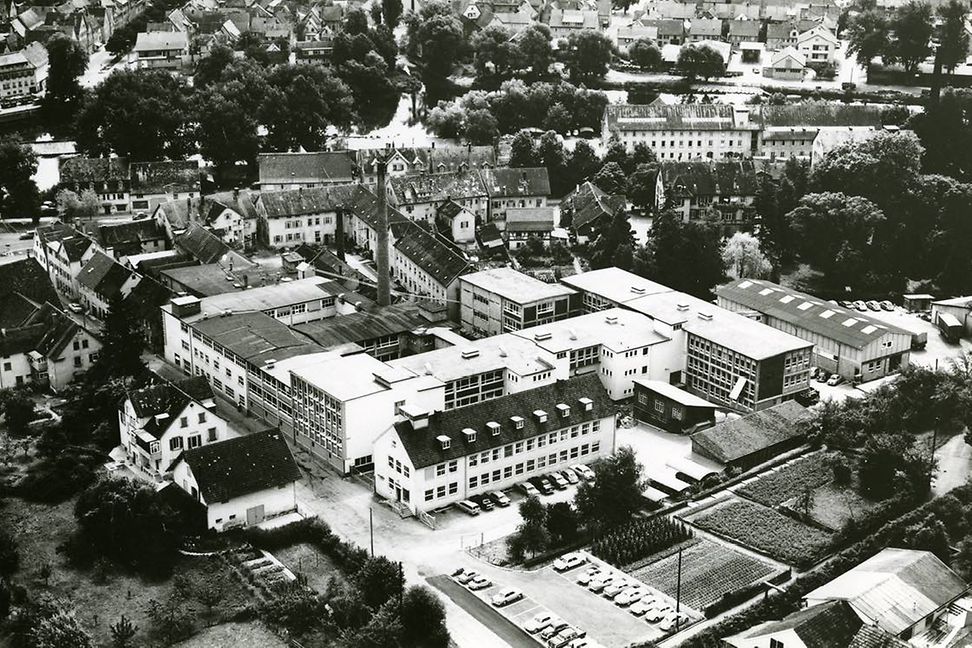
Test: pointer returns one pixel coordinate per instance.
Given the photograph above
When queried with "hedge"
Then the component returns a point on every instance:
(348, 557)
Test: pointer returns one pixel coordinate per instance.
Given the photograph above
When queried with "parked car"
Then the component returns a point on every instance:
(602, 581)
(616, 587)
(584, 471)
(585, 577)
(467, 575)
(528, 489)
(639, 608)
(500, 498)
(553, 629)
(569, 561)
(847, 304)
(859, 305)
(569, 475)
(539, 622)
(631, 595)
(542, 485)
(557, 481)
(658, 612)
(886, 305)
(457, 573)
(808, 397)
(74, 307)
(478, 583)
(565, 636)
(835, 380)
(483, 501)
(823, 376)
(672, 621)
(873, 305)
(813, 372)
(506, 596)
(467, 506)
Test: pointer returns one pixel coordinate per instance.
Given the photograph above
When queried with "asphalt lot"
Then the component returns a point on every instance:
(484, 613)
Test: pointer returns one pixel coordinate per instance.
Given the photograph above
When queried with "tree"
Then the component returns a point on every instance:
(18, 410)
(843, 472)
(645, 54)
(742, 255)
(562, 521)
(929, 535)
(391, 12)
(912, 26)
(695, 61)
(315, 100)
(613, 236)
(953, 40)
(355, 22)
(75, 208)
(60, 630)
(533, 511)
(868, 35)
(493, 52)
(19, 197)
(123, 632)
(67, 61)
(210, 68)
(536, 52)
(379, 581)
(423, 618)
(610, 179)
(481, 127)
(685, 256)
(9, 554)
(434, 38)
(583, 163)
(640, 188)
(121, 342)
(587, 55)
(615, 492)
(805, 502)
(523, 152)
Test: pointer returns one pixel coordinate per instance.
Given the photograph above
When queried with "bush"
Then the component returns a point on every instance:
(348, 557)
(640, 538)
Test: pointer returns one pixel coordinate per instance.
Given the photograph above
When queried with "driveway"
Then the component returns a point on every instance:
(954, 465)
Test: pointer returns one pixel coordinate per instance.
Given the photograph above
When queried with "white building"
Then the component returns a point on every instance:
(286, 171)
(241, 481)
(161, 50)
(500, 300)
(418, 196)
(290, 217)
(430, 460)
(818, 45)
(425, 265)
(62, 251)
(157, 423)
(517, 188)
(683, 132)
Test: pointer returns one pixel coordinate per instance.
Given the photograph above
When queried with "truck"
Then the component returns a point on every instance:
(950, 327)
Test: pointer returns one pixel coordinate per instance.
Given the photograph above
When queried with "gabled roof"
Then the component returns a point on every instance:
(293, 168)
(169, 397)
(509, 182)
(300, 202)
(436, 187)
(894, 589)
(588, 204)
(434, 256)
(146, 297)
(706, 27)
(129, 234)
(788, 52)
(667, 27)
(530, 219)
(26, 278)
(248, 464)
(424, 449)
(737, 438)
(168, 176)
(84, 170)
(431, 159)
(154, 41)
(820, 114)
(748, 29)
(831, 625)
(104, 276)
(708, 178)
(206, 247)
(818, 31)
(664, 117)
(364, 207)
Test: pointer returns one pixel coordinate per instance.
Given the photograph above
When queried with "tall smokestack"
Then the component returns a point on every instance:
(339, 233)
(381, 257)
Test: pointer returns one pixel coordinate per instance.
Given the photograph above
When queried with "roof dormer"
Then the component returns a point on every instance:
(563, 409)
(540, 415)
(493, 427)
(586, 404)
(444, 441)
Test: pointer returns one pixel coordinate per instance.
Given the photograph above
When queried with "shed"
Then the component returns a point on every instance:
(748, 441)
(671, 408)
(918, 302)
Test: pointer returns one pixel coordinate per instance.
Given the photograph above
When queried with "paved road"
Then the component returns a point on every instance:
(479, 610)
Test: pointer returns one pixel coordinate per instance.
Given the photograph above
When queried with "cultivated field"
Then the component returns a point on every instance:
(790, 481)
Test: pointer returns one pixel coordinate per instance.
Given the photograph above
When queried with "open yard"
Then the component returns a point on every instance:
(710, 570)
(304, 559)
(834, 506)
(789, 481)
(764, 529)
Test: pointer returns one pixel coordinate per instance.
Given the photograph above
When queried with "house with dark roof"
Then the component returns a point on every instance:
(518, 188)
(705, 29)
(284, 171)
(62, 251)
(791, 131)
(157, 423)
(752, 439)
(455, 222)
(529, 223)
(145, 301)
(126, 238)
(24, 287)
(229, 215)
(47, 349)
(722, 191)
(425, 265)
(241, 481)
(417, 197)
(743, 31)
(109, 178)
(587, 208)
(831, 625)
(205, 247)
(156, 182)
(102, 279)
(361, 220)
(429, 460)
(416, 161)
(671, 408)
(301, 215)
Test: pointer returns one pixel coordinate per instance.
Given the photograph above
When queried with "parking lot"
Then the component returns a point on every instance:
(547, 591)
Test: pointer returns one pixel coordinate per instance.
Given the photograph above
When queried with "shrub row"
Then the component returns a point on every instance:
(348, 557)
(639, 538)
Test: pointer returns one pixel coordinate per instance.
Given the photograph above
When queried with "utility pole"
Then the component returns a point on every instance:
(381, 256)
(678, 593)
(931, 456)
(371, 528)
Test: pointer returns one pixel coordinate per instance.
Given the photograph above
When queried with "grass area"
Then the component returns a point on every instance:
(710, 570)
(304, 559)
(766, 530)
(834, 506)
(238, 635)
(790, 481)
(99, 597)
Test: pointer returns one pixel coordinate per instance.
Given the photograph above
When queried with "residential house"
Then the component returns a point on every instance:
(314, 51)
(501, 300)
(791, 131)
(285, 171)
(362, 220)
(62, 251)
(529, 223)
(787, 64)
(25, 286)
(231, 216)
(145, 302)
(132, 237)
(743, 31)
(429, 460)
(417, 197)
(241, 482)
(627, 36)
(564, 22)
(109, 178)
(199, 243)
(153, 183)
(156, 424)
(102, 280)
(706, 190)
(426, 266)
(417, 161)
(517, 188)
(683, 132)
(290, 217)
(780, 35)
(818, 45)
(705, 29)
(161, 50)
(587, 208)
(456, 222)
(19, 77)
(670, 31)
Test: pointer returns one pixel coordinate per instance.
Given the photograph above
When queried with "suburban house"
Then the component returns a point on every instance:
(284, 171)
(108, 177)
(666, 406)
(757, 437)
(417, 197)
(500, 300)
(161, 50)
(587, 208)
(529, 223)
(429, 460)
(705, 190)
(153, 183)
(157, 423)
(293, 216)
(241, 481)
(787, 64)
(101, 280)
(818, 45)
(515, 188)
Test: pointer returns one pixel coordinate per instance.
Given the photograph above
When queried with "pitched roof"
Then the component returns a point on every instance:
(424, 449)
(255, 337)
(154, 41)
(364, 207)
(299, 202)
(819, 114)
(206, 247)
(430, 253)
(169, 397)
(672, 392)
(588, 203)
(27, 278)
(104, 276)
(508, 182)
(870, 636)
(895, 588)
(129, 235)
(83, 169)
(436, 187)
(664, 117)
(708, 178)
(737, 438)
(832, 625)
(748, 29)
(146, 297)
(530, 219)
(364, 326)
(248, 464)
(788, 52)
(168, 176)
(293, 168)
(706, 27)
(667, 27)
(432, 159)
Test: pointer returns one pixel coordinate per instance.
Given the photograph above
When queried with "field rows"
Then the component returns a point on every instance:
(790, 481)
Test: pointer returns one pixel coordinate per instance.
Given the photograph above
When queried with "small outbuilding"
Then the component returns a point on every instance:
(750, 440)
(671, 408)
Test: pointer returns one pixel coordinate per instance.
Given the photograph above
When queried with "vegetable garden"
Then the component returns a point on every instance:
(639, 538)
(790, 481)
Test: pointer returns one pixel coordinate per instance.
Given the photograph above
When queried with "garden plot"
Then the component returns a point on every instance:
(790, 481)
(710, 570)
(766, 530)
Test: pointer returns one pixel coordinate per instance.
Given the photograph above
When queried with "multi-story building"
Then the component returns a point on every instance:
(417, 161)
(109, 178)
(703, 29)
(426, 266)
(564, 22)
(428, 460)
(500, 300)
(790, 131)
(103, 279)
(683, 132)
(418, 196)
(62, 251)
(153, 183)
(522, 225)
(343, 405)
(726, 358)
(161, 50)
(818, 45)
(157, 423)
(629, 35)
(294, 216)
(515, 188)
(285, 171)
(849, 343)
(18, 76)
(703, 189)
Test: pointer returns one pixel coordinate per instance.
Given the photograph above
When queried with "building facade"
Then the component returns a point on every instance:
(501, 300)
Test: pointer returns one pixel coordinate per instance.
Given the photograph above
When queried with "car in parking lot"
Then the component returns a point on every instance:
(647, 603)
(598, 584)
(658, 612)
(886, 305)
(835, 380)
(484, 502)
(470, 507)
(557, 481)
(672, 621)
(565, 636)
(74, 307)
(859, 305)
(583, 642)
(465, 575)
(847, 304)
(553, 628)
(617, 586)
(528, 489)
(584, 471)
(631, 595)
(539, 622)
(823, 376)
(542, 485)
(873, 305)
(569, 561)
(584, 578)
(506, 596)
(478, 582)
(569, 475)
(500, 498)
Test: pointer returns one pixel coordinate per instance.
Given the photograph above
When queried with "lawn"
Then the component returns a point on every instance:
(237, 635)
(710, 570)
(834, 505)
(790, 481)
(766, 530)
(99, 598)
(305, 559)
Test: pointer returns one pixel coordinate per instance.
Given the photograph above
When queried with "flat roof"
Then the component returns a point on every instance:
(954, 301)
(672, 392)
(613, 284)
(617, 329)
(515, 286)
(363, 326)
(846, 326)
(493, 353)
(262, 298)
(355, 376)
(256, 337)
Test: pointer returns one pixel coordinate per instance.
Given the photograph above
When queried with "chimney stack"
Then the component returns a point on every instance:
(381, 256)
